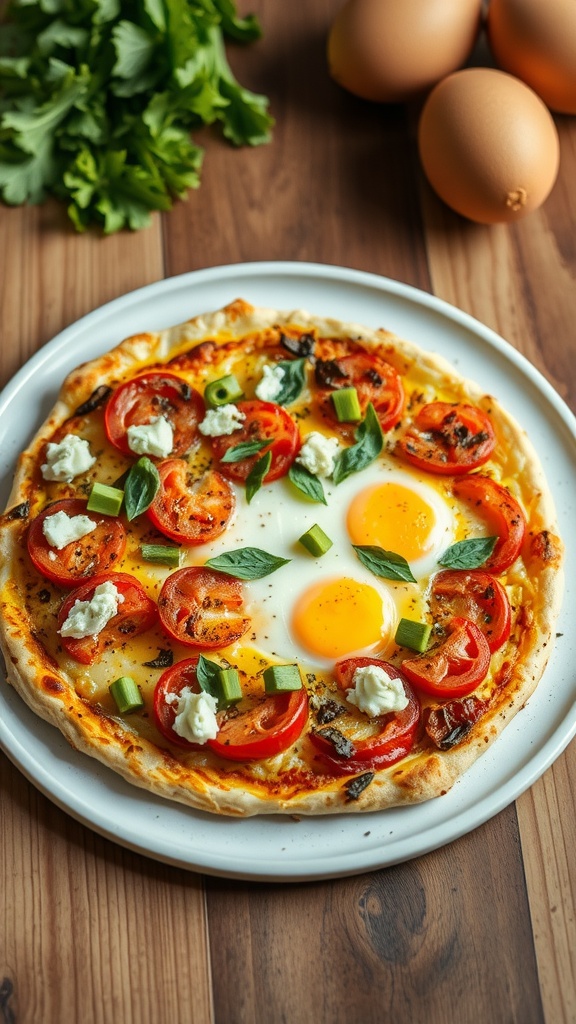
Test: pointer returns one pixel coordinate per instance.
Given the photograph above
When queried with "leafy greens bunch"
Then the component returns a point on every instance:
(98, 99)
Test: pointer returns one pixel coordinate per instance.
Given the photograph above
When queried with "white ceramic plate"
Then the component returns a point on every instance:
(281, 848)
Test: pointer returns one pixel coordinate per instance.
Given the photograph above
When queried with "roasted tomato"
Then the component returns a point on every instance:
(97, 552)
(202, 608)
(144, 398)
(453, 667)
(270, 725)
(375, 380)
(174, 680)
(191, 512)
(263, 421)
(448, 438)
(450, 723)
(502, 513)
(136, 613)
(476, 595)
(342, 754)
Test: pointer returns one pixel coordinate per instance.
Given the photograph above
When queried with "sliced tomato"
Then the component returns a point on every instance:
(136, 613)
(202, 608)
(97, 552)
(173, 681)
(191, 512)
(391, 743)
(502, 513)
(448, 438)
(476, 595)
(263, 421)
(375, 380)
(449, 723)
(270, 725)
(144, 398)
(453, 667)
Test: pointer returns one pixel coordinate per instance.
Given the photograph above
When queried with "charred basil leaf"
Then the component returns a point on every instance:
(97, 398)
(328, 711)
(329, 373)
(302, 346)
(21, 511)
(342, 746)
(164, 659)
(357, 786)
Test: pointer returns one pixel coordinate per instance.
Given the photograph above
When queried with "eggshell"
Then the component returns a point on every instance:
(390, 50)
(488, 145)
(536, 40)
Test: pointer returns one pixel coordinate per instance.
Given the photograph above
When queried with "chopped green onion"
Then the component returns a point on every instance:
(315, 541)
(126, 694)
(105, 500)
(222, 391)
(282, 678)
(162, 554)
(346, 405)
(413, 634)
(228, 682)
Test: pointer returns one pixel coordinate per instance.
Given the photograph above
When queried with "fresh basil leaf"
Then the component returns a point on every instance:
(247, 563)
(369, 444)
(468, 554)
(386, 564)
(244, 450)
(306, 482)
(141, 487)
(207, 676)
(292, 382)
(255, 477)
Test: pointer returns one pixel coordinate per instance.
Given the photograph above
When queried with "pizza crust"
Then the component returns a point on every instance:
(49, 687)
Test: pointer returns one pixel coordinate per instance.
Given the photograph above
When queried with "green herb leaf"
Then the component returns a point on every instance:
(306, 482)
(207, 676)
(255, 477)
(292, 382)
(386, 564)
(247, 563)
(468, 554)
(141, 487)
(244, 450)
(369, 444)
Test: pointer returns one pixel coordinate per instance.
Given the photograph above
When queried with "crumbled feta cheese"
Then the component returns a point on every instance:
(67, 459)
(195, 715)
(270, 384)
(153, 438)
(88, 618)
(61, 529)
(318, 454)
(223, 420)
(375, 692)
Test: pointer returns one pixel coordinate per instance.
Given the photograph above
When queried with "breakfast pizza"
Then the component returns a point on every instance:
(268, 562)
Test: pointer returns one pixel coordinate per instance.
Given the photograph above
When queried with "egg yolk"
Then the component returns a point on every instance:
(338, 617)
(393, 517)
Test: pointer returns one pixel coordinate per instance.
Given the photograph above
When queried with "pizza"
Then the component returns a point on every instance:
(272, 562)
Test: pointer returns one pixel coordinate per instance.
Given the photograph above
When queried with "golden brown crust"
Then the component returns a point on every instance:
(59, 692)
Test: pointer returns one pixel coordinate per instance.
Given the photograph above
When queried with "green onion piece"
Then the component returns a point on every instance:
(162, 554)
(413, 634)
(105, 500)
(282, 678)
(126, 694)
(222, 391)
(315, 541)
(346, 405)
(228, 682)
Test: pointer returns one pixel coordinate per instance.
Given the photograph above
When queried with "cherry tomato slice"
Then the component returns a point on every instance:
(143, 398)
(263, 421)
(375, 380)
(135, 615)
(174, 680)
(271, 725)
(448, 438)
(455, 666)
(97, 552)
(502, 513)
(449, 723)
(191, 512)
(202, 608)
(390, 744)
(475, 595)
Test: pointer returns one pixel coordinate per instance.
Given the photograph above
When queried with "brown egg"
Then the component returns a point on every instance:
(536, 40)
(488, 145)
(390, 50)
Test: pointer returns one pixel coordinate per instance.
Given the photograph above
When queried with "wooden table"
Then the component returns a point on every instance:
(482, 931)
